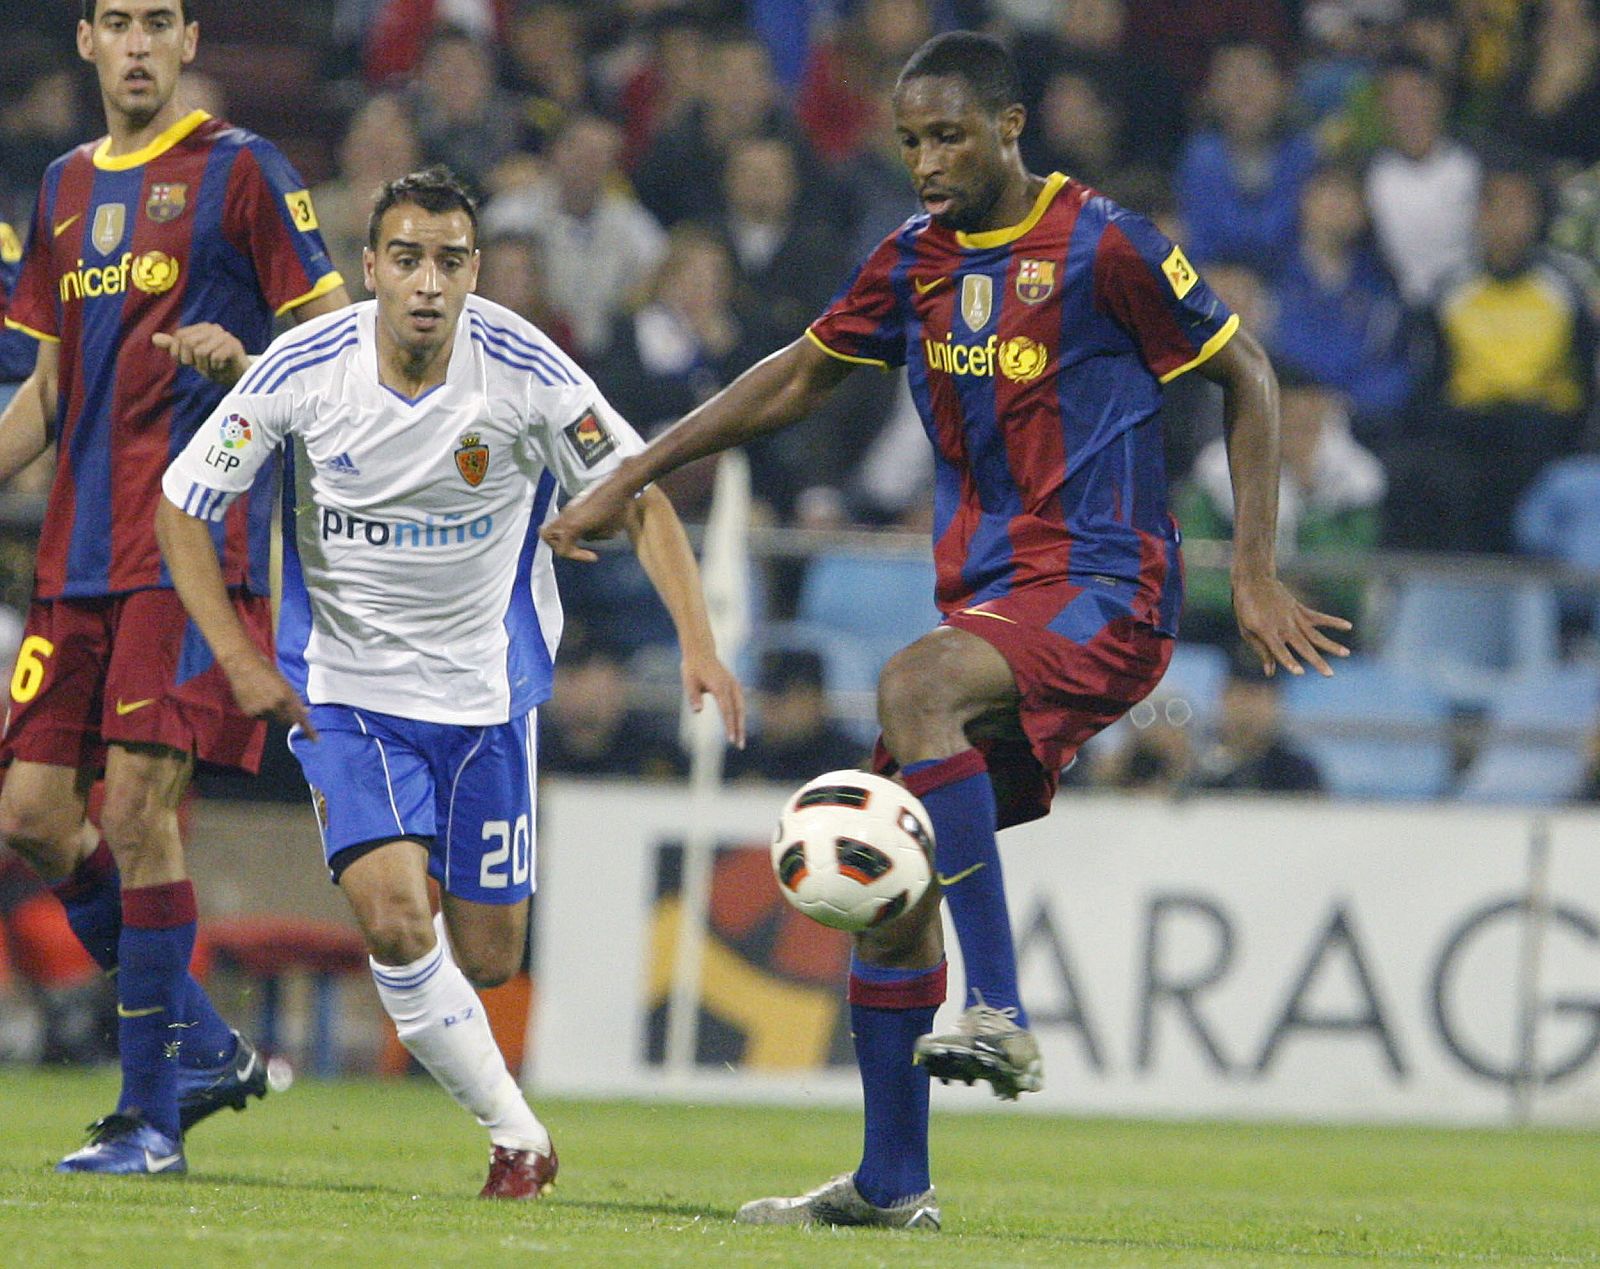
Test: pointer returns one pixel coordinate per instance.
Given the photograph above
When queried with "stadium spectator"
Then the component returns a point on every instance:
(794, 737)
(849, 72)
(1239, 179)
(680, 176)
(1157, 759)
(1335, 311)
(1089, 38)
(1081, 129)
(1554, 103)
(398, 32)
(658, 78)
(1183, 36)
(1253, 753)
(600, 245)
(1422, 186)
(379, 142)
(544, 66)
(788, 264)
(1512, 374)
(464, 120)
(587, 728)
(512, 271)
(873, 193)
(1329, 501)
(40, 118)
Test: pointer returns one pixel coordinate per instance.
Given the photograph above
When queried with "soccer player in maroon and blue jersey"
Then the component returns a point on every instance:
(1037, 321)
(157, 258)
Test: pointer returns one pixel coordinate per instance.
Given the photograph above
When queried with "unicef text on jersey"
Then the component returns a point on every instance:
(447, 531)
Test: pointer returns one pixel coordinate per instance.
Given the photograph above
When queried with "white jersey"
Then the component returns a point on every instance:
(414, 579)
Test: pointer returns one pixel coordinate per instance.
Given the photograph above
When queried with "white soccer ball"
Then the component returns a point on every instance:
(853, 850)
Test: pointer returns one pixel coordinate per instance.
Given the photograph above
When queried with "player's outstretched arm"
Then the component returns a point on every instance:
(262, 692)
(775, 392)
(668, 560)
(1277, 626)
(25, 427)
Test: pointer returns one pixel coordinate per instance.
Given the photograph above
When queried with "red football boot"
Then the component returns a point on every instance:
(519, 1174)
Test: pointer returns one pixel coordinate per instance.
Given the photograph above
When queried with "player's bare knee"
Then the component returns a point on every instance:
(916, 696)
(43, 835)
(488, 967)
(397, 938)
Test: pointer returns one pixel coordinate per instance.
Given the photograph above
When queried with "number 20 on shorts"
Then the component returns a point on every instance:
(28, 677)
(515, 848)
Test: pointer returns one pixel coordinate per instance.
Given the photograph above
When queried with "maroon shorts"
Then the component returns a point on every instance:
(1070, 690)
(127, 669)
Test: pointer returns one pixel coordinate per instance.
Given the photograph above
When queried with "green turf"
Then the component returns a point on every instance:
(383, 1173)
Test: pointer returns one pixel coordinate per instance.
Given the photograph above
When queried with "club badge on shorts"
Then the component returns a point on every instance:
(472, 459)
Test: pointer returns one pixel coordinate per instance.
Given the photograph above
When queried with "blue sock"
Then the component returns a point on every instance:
(158, 924)
(960, 802)
(92, 897)
(889, 1009)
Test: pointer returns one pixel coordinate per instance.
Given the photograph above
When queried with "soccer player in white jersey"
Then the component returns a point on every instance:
(425, 433)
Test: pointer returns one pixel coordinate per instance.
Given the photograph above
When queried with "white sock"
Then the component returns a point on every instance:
(441, 1021)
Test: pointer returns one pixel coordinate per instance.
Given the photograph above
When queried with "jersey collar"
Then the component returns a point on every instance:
(108, 162)
(999, 237)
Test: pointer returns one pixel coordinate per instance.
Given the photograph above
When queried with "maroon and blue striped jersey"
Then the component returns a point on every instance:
(1036, 356)
(207, 223)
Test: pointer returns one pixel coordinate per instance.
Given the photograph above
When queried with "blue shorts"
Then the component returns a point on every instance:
(466, 793)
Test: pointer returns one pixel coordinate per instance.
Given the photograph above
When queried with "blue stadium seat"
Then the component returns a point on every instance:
(1534, 751)
(1465, 637)
(883, 599)
(1341, 722)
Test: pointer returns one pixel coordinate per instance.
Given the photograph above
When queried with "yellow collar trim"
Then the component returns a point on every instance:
(108, 162)
(999, 237)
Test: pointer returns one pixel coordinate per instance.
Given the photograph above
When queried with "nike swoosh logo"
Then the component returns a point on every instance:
(161, 1162)
(947, 882)
(139, 1013)
(924, 287)
(979, 612)
(133, 705)
(67, 224)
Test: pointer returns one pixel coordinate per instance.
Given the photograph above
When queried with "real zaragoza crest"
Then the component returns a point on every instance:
(472, 459)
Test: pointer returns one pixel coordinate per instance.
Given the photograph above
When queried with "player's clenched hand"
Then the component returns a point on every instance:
(208, 348)
(595, 513)
(262, 692)
(1280, 629)
(708, 674)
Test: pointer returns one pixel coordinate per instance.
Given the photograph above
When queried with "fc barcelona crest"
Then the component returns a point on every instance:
(977, 300)
(110, 219)
(472, 459)
(1036, 280)
(166, 201)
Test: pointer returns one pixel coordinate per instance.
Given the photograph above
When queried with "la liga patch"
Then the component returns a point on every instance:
(589, 439)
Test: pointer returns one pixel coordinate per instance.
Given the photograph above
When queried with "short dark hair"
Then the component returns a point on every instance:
(190, 9)
(435, 189)
(981, 61)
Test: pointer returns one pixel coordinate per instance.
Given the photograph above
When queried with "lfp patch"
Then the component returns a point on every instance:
(589, 438)
(235, 432)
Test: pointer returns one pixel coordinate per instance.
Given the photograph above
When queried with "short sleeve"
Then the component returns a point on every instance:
(1143, 281)
(33, 308)
(865, 323)
(270, 218)
(582, 437)
(222, 458)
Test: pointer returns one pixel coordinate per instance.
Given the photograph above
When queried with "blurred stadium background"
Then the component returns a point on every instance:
(1371, 898)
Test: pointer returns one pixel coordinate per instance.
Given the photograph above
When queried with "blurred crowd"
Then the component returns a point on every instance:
(1400, 197)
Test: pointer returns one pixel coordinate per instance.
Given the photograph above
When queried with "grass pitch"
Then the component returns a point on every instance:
(366, 1173)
